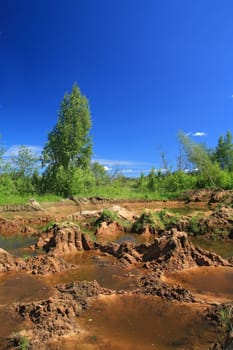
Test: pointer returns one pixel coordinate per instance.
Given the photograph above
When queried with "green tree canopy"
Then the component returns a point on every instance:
(25, 163)
(224, 152)
(199, 156)
(69, 143)
(2, 151)
(100, 174)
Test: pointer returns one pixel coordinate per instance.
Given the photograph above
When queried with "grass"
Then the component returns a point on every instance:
(107, 216)
(156, 220)
(21, 342)
(89, 233)
(147, 218)
(108, 192)
(48, 226)
(196, 226)
(226, 316)
(21, 200)
(122, 191)
(127, 189)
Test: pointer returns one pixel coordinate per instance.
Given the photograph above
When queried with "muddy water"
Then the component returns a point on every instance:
(18, 245)
(9, 324)
(214, 282)
(223, 248)
(91, 266)
(141, 323)
(22, 288)
(17, 288)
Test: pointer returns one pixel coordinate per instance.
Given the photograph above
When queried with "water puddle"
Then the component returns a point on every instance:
(22, 288)
(9, 324)
(17, 288)
(141, 323)
(223, 248)
(18, 245)
(91, 266)
(205, 281)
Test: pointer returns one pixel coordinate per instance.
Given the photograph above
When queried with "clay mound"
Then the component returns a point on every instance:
(83, 215)
(56, 316)
(219, 223)
(109, 229)
(7, 226)
(210, 196)
(63, 239)
(13, 227)
(123, 213)
(173, 251)
(10, 262)
(225, 197)
(47, 264)
(223, 217)
(152, 285)
(221, 317)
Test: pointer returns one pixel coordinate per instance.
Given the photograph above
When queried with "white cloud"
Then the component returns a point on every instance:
(128, 171)
(196, 133)
(131, 168)
(107, 168)
(110, 163)
(14, 150)
(199, 133)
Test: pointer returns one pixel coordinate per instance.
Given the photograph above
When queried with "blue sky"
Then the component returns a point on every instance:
(148, 67)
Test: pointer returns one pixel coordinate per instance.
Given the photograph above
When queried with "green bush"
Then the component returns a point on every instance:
(169, 220)
(147, 218)
(107, 216)
(196, 226)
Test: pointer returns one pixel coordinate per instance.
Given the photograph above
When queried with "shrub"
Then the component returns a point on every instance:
(169, 220)
(145, 219)
(107, 216)
(196, 226)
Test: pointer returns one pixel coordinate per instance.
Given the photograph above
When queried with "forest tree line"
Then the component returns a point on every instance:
(65, 165)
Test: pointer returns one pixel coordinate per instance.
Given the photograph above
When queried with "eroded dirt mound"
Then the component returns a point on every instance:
(108, 229)
(151, 284)
(37, 265)
(11, 227)
(210, 196)
(221, 317)
(46, 264)
(83, 215)
(221, 221)
(172, 251)
(123, 213)
(61, 239)
(9, 262)
(56, 316)
(218, 224)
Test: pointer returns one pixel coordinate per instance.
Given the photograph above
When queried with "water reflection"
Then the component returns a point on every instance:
(215, 281)
(19, 287)
(91, 266)
(18, 245)
(223, 248)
